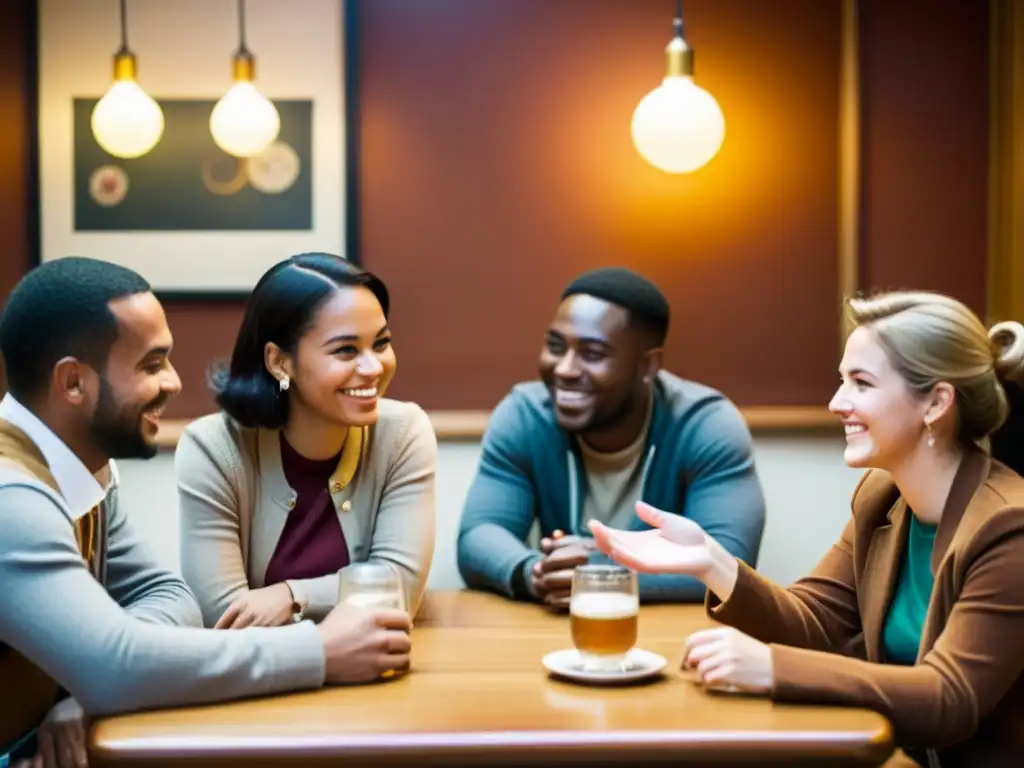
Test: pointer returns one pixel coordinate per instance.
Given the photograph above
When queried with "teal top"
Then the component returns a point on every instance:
(901, 635)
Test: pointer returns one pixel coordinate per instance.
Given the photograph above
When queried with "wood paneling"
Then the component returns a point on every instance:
(471, 425)
(1006, 162)
(925, 146)
(17, 25)
(497, 164)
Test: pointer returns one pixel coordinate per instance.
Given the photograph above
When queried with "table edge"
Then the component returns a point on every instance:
(381, 745)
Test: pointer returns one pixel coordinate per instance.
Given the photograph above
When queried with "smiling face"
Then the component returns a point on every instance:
(343, 361)
(883, 417)
(593, 363)
(137, 382)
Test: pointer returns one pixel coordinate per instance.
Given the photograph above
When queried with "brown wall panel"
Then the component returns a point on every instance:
(17, 25)
(16, 28)
(925, 145)
(497, 164)
(203, 334)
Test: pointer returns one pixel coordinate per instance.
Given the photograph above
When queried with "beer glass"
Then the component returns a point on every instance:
(603, 611)
(372, 585)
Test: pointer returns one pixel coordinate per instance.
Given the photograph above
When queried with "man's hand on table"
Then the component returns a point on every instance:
(551, 577)
(362, 645)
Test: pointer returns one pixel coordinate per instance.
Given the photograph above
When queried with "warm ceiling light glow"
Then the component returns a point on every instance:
(678, 127)
(126, 122)
(244, 122)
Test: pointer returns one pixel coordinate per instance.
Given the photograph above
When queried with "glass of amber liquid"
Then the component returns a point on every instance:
(371, 585)
(603, 611)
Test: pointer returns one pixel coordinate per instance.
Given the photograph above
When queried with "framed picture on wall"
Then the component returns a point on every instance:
(194, 219)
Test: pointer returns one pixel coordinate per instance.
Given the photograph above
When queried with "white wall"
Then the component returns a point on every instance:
(806, 484)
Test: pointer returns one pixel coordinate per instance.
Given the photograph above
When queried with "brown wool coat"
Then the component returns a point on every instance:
(962, 703)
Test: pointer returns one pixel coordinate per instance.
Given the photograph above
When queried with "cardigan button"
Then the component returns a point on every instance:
(335, 487)
(346, 506)
(291, 503)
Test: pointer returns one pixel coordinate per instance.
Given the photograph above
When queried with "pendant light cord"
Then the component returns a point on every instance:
(124, 28)
(678, 23)
(243, 49)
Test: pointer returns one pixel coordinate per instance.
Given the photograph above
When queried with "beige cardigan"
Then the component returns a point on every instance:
(235, 500)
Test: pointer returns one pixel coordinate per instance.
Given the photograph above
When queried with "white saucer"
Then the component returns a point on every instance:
(639, 665)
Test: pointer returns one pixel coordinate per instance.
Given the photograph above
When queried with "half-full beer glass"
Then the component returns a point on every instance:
(603, 613)
(372, 585)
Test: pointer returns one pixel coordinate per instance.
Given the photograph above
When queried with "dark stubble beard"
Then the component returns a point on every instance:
(601, 422)
(116, 429)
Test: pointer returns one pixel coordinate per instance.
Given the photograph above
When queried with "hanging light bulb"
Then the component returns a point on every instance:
(678, 127)
(244, 122)
(126, 122)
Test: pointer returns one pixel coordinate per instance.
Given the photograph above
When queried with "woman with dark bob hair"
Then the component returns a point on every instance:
(307, 468)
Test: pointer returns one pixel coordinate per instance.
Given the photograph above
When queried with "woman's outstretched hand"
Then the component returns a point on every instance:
(675, 545)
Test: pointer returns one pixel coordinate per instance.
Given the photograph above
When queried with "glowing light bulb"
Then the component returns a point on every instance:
(126, 122)
(678, 127)
(244, 122)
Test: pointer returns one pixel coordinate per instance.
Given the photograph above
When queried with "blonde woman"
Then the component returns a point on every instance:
(917, 611)
(307, 469)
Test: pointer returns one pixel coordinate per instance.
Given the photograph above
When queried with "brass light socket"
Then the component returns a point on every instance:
(244, 67)
(124, 66)
(678, 58)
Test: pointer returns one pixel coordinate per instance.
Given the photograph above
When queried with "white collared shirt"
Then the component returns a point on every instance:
(80, 489)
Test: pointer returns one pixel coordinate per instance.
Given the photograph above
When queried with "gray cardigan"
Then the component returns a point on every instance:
(126, 637)
(235, 500)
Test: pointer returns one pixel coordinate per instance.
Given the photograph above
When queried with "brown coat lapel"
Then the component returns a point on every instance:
(881, 571)
(888, 542)
(962, 505)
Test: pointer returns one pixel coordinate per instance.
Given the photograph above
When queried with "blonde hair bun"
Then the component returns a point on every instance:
(1008, 349)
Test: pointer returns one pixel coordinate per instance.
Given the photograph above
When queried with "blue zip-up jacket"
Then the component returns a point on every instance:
(698, 462)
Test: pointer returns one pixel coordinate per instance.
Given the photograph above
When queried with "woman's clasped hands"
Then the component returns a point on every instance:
(723, 658)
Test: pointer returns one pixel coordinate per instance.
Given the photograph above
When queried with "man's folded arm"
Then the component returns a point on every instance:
(58, 616)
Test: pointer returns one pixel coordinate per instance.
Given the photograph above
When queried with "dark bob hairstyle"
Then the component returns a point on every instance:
(281, 309)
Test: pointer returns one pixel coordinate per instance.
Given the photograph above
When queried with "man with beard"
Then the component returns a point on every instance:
(604, 429)
(88, 618)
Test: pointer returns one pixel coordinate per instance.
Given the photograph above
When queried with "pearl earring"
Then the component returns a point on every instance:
(931, 437)
(284, 382)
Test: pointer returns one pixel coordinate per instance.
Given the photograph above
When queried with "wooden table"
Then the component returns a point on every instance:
(479, 695)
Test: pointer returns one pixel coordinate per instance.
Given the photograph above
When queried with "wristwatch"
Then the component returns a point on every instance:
(299, 604)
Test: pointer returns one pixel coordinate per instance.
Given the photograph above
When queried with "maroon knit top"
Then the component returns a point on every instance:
(312, 543)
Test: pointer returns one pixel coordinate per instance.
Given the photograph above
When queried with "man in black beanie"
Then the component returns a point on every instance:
(605, 427)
